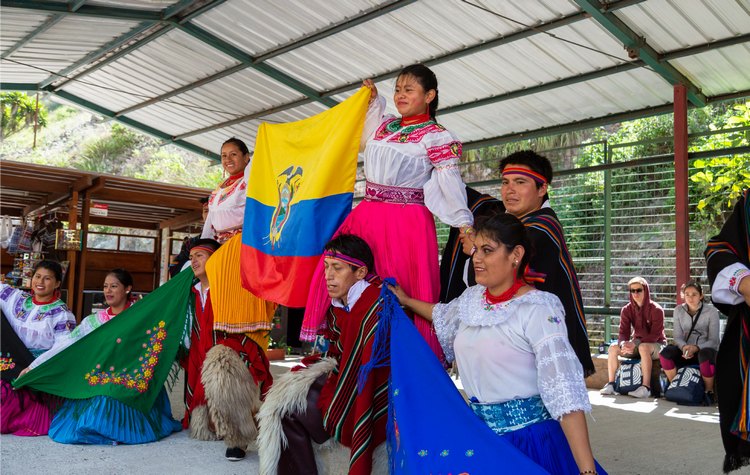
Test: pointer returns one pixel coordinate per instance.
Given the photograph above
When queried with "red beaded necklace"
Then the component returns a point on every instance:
(505, 296)
(232, 179)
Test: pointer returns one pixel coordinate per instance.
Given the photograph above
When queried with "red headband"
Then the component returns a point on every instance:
(345, 258)
(203, 248)
(526, 172)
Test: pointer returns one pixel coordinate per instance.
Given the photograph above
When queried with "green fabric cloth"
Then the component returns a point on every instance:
(129, 358)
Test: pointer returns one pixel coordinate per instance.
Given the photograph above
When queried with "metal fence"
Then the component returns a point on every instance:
(617, 207)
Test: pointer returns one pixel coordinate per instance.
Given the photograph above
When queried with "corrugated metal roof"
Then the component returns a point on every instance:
(199, 72)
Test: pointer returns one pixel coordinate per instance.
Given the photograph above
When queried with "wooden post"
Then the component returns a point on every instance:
(81, 277)
(72, 255)
(682, 218)
(36, 119)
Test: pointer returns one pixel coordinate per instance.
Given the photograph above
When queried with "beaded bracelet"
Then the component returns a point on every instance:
(588, 471)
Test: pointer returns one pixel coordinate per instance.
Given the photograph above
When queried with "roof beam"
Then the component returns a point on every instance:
(19, 86)
(619, 68)
(135, 124)
(84, 10)
(292, 45)
(494, 43)
(595, 122)
(46, 25)
(239, 55)
(182, 220)
(637, 45)
(100, 53)
(74, 5)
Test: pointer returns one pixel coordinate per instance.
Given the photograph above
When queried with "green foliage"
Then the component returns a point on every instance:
(18, 111)
(718, 182)
(109, 154)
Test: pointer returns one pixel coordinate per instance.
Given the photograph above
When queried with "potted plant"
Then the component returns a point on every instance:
(276, 349)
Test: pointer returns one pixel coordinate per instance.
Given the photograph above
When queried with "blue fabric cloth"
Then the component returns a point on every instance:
(431, 429)
(511, 415)
(102, 420)
(545, 443)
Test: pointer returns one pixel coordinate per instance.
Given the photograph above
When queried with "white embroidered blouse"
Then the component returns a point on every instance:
(512, 350)
(226, 207)
(420, 156)
(38, 326)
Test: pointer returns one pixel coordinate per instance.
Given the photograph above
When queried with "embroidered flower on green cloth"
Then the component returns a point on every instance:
(6, 363)
(141, 377)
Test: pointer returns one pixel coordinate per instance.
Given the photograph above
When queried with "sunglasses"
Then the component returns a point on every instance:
(636, 291)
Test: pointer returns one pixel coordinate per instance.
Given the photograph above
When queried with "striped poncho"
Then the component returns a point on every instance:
(355, 419)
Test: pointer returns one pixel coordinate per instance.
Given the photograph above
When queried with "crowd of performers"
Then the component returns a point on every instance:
(505, 305)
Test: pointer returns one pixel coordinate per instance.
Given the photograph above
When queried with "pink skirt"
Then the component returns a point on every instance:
(24, 413)
(403, 240)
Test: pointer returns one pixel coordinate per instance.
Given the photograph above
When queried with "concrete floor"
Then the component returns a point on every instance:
(629, 437)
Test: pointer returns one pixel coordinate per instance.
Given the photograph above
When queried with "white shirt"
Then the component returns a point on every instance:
(428, 161)
(226, 207)
(512, 350)
(38, 326)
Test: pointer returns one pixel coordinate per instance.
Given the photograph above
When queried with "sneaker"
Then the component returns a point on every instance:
(641, 392)
(235, 454)
(608, 389)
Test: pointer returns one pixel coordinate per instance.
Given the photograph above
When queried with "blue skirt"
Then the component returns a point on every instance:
(545, 443)
(103, 420)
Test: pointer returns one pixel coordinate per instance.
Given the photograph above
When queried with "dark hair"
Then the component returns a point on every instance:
(533, 160)
(124, 277)
(353, 246)
(427, 79)
(694, 284)
(239, 143)
(49, 264)
(209, 243)
(506, 229)
(204, 200)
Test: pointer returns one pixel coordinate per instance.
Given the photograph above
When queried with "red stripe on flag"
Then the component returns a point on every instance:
(270, 280)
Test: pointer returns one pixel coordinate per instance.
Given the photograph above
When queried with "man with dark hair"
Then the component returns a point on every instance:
(335, 406)
(526, 177)
(226, 374)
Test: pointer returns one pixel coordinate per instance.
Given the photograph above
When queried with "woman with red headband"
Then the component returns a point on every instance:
(36, 322)
(411, 167)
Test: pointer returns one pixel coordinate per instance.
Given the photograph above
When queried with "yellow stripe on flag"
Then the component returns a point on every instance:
(325, 145)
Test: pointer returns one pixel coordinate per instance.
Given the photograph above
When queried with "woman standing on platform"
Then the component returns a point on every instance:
(102, 419)
(226, 205)
(32, 323)
(411, 170)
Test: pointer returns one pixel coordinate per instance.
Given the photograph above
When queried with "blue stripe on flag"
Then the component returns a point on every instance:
(310, 225)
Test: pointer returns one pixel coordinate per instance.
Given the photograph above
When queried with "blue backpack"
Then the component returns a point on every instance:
(687, 387)
(628, 377)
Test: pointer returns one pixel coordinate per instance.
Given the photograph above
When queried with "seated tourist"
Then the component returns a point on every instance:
(641, 336)
(322, 401)
(36, 321)
(696, 337)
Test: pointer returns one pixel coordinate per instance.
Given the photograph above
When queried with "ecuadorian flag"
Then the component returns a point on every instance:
(300, 190)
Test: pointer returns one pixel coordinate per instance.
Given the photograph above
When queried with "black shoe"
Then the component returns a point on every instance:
(710, 398)
(235, 454)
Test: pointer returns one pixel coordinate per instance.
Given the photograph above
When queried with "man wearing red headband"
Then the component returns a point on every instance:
(334, 407)
(525, 179)
(226, 374)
